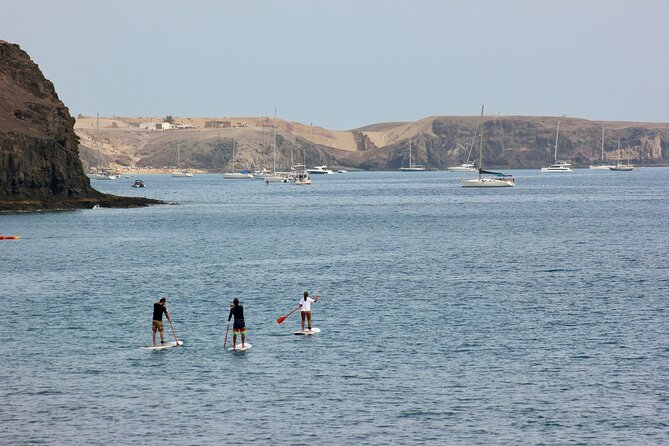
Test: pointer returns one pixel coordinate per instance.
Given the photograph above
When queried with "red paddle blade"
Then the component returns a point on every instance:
(281, 319)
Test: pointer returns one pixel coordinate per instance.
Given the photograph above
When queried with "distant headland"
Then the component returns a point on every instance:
(206, 144)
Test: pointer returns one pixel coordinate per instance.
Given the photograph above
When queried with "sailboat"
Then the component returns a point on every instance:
(601, 166)
(100, 174)
(467, 166)
(243, 175)
(620, 167)
(557, 166)
(274, 176)
(180, 173)
(494, 179)
(412, 167)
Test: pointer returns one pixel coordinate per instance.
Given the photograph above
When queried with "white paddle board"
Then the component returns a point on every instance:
(313, 330)
(163, 346)
(239, 347)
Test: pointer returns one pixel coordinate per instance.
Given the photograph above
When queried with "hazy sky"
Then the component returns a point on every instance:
(343, 64)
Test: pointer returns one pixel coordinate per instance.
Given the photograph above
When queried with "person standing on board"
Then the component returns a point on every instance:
(305, 306)
(158, 309)
(239, 327)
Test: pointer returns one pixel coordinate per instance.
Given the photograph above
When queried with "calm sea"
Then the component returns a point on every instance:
(533, 315)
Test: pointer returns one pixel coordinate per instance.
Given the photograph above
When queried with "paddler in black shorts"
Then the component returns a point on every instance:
(238, 327)
(158, 309)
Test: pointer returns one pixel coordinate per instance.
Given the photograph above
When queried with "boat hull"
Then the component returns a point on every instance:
(487, 182)
(556, 170)
(461, 169)
(237, 176)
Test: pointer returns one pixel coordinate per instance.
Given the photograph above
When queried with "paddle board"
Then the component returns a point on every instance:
(313, 330)
(163, 346)
(239, 347)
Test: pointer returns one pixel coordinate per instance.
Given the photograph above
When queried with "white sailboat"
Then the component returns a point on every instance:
(412, 167)
(557, 166)
(274, 176)
(493, 179)
(601, 166)
(180, 173)
(243, 175)
(620, 167)
(100, 173)
(467, 166)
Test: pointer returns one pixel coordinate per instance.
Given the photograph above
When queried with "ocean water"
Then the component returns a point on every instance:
(533, 315)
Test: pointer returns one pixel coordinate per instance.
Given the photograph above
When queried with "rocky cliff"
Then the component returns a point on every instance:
(39, 156)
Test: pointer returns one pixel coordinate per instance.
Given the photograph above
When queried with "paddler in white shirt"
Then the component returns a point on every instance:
(305, 308)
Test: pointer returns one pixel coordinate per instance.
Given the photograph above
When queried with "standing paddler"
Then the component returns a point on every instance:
(239, 327)
(157, 324)
(305, 307)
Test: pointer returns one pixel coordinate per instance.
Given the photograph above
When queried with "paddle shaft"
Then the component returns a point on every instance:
(283, 318)
(226, 334)
(173, 332)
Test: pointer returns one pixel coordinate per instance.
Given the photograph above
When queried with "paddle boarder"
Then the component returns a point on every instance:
(305, 307)
(158, 309)
(239, 327)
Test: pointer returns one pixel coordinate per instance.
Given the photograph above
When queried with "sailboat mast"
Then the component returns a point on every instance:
(602, 145)
(409, 153)
(274, 142)
(481, 145)
(97, 140)
(557, 135)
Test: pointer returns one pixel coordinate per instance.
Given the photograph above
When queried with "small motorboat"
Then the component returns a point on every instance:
(138, 183)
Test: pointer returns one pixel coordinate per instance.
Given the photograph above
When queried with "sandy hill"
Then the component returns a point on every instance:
(437, 142)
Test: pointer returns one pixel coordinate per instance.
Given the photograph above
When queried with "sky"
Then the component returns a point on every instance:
(345, 64)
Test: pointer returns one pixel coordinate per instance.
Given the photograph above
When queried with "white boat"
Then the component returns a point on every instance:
(557, 166)
(487, 178)
(274, 176)
(180, 173)
(412, 167)
(467, 166)
(241, 175)
(342, 171)
(601, 166)
(102, 176)
(317, 170)
(278, 177)
(300, 176)
(261, 174)
(560, 166)
(620, 167)
(100, 173)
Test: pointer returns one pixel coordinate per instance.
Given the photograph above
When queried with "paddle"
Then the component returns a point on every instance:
(176, 340)
(226, 334)
(283, 318)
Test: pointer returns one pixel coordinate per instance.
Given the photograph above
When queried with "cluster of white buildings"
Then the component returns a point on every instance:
(163, 126)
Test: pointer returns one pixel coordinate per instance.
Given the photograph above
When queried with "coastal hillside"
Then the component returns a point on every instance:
(39, 157)
(437, 142)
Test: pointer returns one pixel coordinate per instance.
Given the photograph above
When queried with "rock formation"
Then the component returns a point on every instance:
(39, 156)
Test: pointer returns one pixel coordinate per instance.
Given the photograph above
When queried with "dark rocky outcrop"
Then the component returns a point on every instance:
(39, 157)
